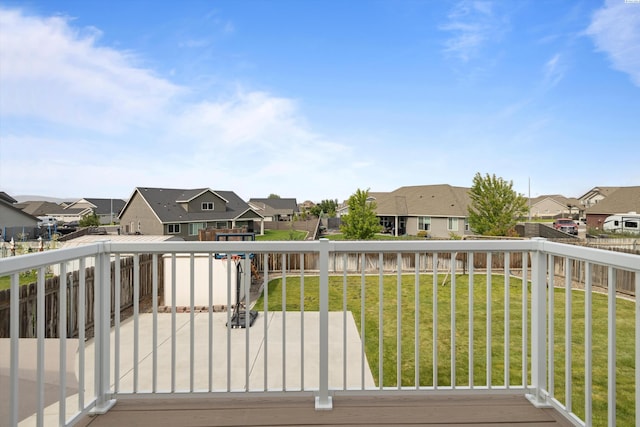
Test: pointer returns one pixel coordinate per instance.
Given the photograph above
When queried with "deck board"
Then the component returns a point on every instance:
(347, 411)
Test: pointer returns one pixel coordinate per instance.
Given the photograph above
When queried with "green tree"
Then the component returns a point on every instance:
(495, 206)
(90, 220)
(273, 196)
(327, 206)
(361, 222)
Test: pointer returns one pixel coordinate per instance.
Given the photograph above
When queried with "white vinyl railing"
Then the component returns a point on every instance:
(365, 317)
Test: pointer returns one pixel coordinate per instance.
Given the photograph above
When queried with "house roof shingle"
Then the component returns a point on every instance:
(41, 208)
(280, 206)
(605, 191)
(7, 198)
(166, 204)
(623, 200)
(107, 206)
(424, 200)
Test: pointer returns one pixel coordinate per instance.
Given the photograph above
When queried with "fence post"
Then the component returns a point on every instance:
(323, 400)
(102, 328)
(538, 325)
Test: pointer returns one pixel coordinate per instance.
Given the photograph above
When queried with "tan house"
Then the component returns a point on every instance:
(275, 209)
(183, 212)
(554, 206)
(438, 210)
(60, 212)
(595, 196)
(622, 200)
(107, 210)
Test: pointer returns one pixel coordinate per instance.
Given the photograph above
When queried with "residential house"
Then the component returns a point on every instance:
(306, 206)
(183, 212)
(622, 200)
(14, 222)
(7, 198)
(343, 208)
(43, 208)
(438, 210)
(275, 209)
(595, 195)
(107, 210)
(554, 206)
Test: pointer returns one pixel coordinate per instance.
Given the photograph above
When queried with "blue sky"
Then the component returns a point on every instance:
(315, 99)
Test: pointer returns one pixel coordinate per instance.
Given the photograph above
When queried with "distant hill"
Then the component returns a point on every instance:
(57, 200)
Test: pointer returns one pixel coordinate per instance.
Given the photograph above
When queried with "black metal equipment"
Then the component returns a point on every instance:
(239, 318)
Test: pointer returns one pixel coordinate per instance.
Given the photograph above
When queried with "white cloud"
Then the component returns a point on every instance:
(81, 119)
(554, 70)
(55, 73)
(615, 30)
(473, 24)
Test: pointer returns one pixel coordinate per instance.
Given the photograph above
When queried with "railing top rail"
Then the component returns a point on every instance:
(20, 263)
(598, 256)
(332, 246)
(619, 260)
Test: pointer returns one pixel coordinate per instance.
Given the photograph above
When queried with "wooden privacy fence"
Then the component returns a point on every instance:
(624, 280)
(353, 263)
(29, 294)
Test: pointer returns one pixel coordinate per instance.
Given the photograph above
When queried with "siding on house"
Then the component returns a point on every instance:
(195, 203)
(139, 217)
(13, 217)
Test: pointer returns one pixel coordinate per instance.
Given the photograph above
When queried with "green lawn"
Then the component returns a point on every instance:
(625, 335)
(25, 279)
(282, 235)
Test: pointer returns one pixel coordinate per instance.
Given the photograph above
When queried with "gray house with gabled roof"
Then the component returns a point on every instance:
(183, 212)
(14, 221)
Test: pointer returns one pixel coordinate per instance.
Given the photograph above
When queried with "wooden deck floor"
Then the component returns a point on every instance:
(347, 411)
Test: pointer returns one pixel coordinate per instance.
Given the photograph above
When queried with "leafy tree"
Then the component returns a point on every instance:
(361, 222)
(327, 206)
(273, 196)
(90, 220)
(495, 206)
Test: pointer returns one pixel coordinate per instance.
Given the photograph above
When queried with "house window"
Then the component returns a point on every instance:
(207, 206)
(452, 224)
(466, 224)
(173, 228)
(424, 223)
(195, 227)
